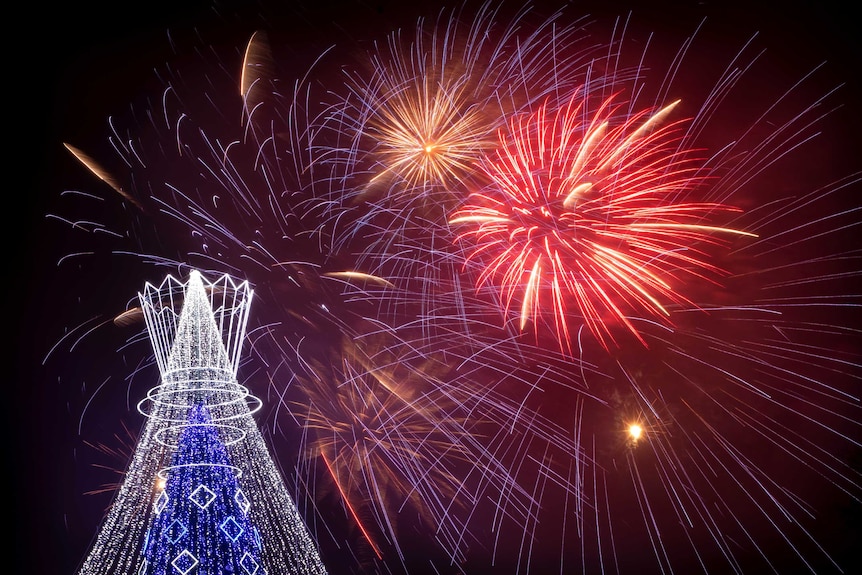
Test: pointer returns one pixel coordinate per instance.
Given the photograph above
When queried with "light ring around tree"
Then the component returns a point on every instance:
(235, 392)
(239, 394)
(198, 373)
(163, 472)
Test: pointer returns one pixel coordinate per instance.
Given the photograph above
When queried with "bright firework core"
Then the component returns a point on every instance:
(593, 207)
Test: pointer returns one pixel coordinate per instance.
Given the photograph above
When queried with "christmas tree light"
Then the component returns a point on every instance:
(202, 494)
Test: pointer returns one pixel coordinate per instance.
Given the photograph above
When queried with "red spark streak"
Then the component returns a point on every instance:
(350, 507)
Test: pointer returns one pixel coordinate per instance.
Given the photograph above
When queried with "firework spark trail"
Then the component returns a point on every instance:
(388, 438)
(341, 220)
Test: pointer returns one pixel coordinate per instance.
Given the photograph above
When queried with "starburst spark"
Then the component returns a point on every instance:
(373, 442)
(594, 208)
(424, 106)
(424, 135)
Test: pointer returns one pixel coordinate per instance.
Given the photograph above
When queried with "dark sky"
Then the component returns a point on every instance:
(79, 63)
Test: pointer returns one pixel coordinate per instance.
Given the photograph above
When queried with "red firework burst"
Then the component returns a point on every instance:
(591, 208)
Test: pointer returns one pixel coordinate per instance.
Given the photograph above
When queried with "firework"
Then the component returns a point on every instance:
(585, 211)
(666, 275)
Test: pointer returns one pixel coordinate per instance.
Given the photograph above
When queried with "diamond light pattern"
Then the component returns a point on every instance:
(232, 528)
(242, 501)
(184, 562)
(202, 496)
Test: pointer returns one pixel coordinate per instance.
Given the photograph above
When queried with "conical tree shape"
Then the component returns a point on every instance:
(200, 414)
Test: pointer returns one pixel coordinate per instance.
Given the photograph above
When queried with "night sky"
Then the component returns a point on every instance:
(76, 65)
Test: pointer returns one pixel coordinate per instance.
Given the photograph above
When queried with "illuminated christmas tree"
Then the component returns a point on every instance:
(202, 494)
